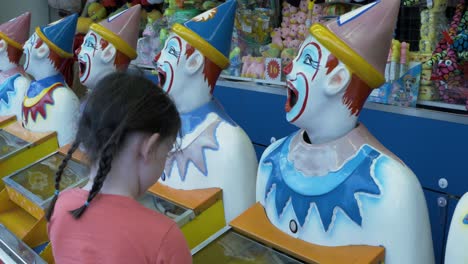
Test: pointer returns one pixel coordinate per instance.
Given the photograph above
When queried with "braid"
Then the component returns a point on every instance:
(58, 177)
(105, 164)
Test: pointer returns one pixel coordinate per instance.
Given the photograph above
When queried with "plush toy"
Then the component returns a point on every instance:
(285, 22)
(253, 67)
(276, 38)
(287, 55)
(270, 51)
(284, 32)
(293, 29)
(235, 62)
(302, 30)
(295, 44)
(287, 42)
(96, 12)
(246, 61)
(303, 6)
(293, 19)
(301, 17)
(285, 11)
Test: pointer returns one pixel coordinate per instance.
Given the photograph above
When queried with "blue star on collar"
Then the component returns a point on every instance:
(337, 189)
(191, 120)
(8, 88)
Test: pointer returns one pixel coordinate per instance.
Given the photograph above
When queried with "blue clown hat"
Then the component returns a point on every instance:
(59, 36)
(211, 32)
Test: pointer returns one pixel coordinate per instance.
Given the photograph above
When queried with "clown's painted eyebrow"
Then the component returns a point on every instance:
(172, 50)
(316, 46)
(91, 44)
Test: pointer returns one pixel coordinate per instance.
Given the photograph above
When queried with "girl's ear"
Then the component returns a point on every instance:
(148, 145)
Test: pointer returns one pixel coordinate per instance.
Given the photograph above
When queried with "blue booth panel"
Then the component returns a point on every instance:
(438, 216)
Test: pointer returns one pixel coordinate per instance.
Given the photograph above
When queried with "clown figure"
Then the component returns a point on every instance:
(214, 151)
(49, 104)
(13, 83)
(332, 183)
(457, 239)
(109, 46)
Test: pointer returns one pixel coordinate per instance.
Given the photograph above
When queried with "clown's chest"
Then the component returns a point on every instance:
(38, 107)
(298, 203)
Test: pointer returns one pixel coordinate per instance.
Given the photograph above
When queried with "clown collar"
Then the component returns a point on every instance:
(327, 175)
(191, 120)
(36, 87)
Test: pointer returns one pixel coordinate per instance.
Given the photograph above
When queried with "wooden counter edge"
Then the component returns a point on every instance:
(196, 200)
(254, 223)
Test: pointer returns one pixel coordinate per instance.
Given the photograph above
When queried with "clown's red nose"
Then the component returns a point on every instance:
(287, 70)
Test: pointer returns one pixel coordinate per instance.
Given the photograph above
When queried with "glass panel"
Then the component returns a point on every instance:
(10, 143)
(13, 250)
(39, 179)
(167, 208)
(234, 248)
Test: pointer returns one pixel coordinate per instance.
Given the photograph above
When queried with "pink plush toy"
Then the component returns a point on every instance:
(284, 32)
(301, 17)
(318, 10)
(302, 30)
(287, 42)
(293, 30)
(303, 6)
(257, 68)
(286, 11)
(285, 22)
(293, 19)
(295, 44)
(293, 9)
(276, 37)
(246, 62)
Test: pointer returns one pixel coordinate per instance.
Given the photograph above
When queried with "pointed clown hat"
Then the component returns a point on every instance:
(121, 30)
(211, 32)
(16, 31)
(59, 35)
(362, 38)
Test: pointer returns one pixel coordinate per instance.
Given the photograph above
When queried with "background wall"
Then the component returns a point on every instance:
(38, 8)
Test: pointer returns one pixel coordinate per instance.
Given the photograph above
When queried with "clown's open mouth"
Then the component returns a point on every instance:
(161, 77)
(292, 97)
(82, 67)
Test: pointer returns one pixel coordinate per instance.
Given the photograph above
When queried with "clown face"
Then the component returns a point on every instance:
(170, 62)
(96, 58)
(304, 74)
(316, 82)
(28, 49)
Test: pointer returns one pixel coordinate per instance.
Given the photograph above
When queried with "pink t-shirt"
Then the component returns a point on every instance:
(114, 229)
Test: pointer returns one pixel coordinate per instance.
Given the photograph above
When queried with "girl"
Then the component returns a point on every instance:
(127, 128)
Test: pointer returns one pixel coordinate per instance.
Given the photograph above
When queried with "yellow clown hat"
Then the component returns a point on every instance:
(362, 38)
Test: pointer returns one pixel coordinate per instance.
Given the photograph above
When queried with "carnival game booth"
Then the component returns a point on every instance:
(28, 193)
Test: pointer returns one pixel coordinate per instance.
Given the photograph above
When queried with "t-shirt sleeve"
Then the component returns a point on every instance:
(174, 248)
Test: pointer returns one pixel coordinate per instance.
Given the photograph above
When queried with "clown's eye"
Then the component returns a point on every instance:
(309, 61)
(173, 51)
(89, 44)
(448, 62)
